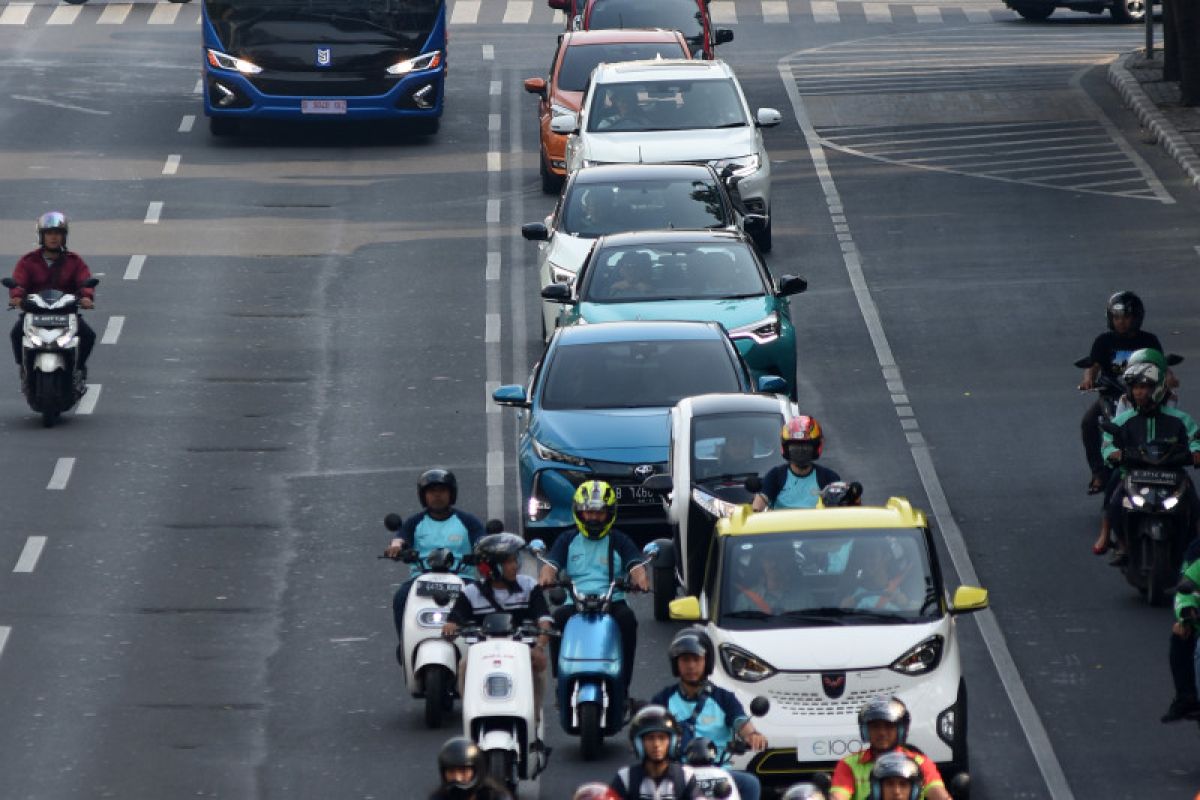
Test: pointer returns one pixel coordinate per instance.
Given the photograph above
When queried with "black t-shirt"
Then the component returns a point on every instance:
(1111, 350)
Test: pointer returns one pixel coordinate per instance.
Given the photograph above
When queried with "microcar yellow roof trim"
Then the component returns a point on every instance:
(897, 513)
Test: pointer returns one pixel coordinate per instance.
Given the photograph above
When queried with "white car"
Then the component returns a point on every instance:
(820, 610)
(674, 110)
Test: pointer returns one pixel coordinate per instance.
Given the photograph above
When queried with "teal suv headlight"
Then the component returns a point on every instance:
(550, 454)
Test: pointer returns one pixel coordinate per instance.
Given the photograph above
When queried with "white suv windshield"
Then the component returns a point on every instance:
(666, 106)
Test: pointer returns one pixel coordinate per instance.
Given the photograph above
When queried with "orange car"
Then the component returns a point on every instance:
(577, 55)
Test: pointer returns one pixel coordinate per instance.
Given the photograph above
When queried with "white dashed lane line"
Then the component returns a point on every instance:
(4, 631)
(185, 124)
(153, 212)
(112, 331)
(30, 554)
(88, 404)
(134, 270)
(62, 474)
(172, 165)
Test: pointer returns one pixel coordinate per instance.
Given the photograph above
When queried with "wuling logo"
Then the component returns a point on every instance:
(324, 57)
(834, 684)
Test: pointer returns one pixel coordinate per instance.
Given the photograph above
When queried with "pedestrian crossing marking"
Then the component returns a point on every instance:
(164, 13)
(466, 12)
(15, 13)
(774, 11)
(877, 12)
(64, 14)
(825, 11)
(114, 13)
(518, 12)
(927, 14)
(723, 12)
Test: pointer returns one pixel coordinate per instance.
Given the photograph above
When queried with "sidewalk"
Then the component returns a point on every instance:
(1156, 104)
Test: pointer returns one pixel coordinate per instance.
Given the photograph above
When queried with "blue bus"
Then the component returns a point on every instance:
(324, 59)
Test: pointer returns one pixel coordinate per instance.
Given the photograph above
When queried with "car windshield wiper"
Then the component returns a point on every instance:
(740, 296)
(824, 616)
(849, 613)
(741, 124)
(748, 613)
(726, 476)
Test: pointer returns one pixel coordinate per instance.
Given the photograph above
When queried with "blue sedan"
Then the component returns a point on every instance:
(598, 408)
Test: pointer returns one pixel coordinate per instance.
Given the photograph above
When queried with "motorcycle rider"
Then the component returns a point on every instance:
(895, 776)
(501, 588)
(439, 525)
(591, 556)
(52, 266)
(1149, 420)
(883, 724)
(704, 710)
(1110, 352)
(803, 791)
(656, 775)
(798, 483)
(595, 791)
(1182, 653)
(461, 769)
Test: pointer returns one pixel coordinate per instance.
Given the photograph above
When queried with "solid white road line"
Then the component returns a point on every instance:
(114, 13)
(88, 404)
(956, 546)
(491, 328)
(61, 475)
(42, 101)
(134, 270)
(30, 554)
(489, 389)
(188, 121)
(153, 212)
(64, 14)
(15, 13)
(172, 165)
(164, 13)
(112, 331)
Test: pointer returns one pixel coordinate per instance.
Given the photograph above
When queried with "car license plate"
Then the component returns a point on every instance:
(427, 588)
(322, 106)
(50, 320)
(635, 495)
(1155, 476)
(827, 748)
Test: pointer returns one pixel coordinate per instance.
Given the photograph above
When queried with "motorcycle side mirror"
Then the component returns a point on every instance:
(469, 559)
(557, 595)
(537, 547)
(8, 283)
(494, 526)
(650, 550)
(393, 522)
(822, 781)
(753, 484)
(91, 283)
(1173, 359)
(1186, 586)
(722, 789)
(441, 597)
(659, 484)
(959, 786)
(792, 284)
(759, 706)
(1084, 363)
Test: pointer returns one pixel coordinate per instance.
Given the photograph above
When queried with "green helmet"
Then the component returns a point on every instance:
(1148, 355)
(1147, 373)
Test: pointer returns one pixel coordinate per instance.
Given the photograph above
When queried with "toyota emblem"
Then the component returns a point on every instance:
(644, 470)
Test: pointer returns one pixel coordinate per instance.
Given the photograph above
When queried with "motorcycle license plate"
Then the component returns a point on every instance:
(635, 495)
(322, 106)
(1155, 476)
(50, 320)
(427, 588)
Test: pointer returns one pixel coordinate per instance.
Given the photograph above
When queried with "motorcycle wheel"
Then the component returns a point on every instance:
(46, 389)
(591, 731)
(664, 592)
(1158, 573)
(437, 689)
(499, 767)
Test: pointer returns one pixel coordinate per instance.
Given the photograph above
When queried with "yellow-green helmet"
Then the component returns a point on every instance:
(595, 496)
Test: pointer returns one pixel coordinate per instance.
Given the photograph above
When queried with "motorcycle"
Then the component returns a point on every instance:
(50, 376)
(591, 695)
(1153, 513)
(499, 710)
(710, 767)
(430, 661)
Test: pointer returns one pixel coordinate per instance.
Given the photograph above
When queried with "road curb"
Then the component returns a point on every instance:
(1152, 119)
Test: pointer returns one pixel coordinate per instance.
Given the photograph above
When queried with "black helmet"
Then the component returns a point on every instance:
(895, 765)
(694, 641)
(493, 550)
(803, 791)
(700, 752)
(887, 709)
(1125, 304)
(461, 752)
(52, 221)
(840, 493)
(653, 719)
(437, 477)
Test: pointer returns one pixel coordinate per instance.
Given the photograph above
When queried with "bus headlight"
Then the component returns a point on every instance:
(422, 62)
(225, 61)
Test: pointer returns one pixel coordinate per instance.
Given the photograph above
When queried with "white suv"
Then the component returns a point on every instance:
(673, 110)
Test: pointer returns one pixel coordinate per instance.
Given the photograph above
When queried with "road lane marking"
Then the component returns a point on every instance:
(722, 12)
(489, 52)
(4, 631)
(61, 475)
(1027, 715)
(978, 14)
(466, 12)
(495, 468)
(493, 122)
(491, 328)
(776, 11)
(185, 124)
(30, 554)
(928, 14)
(489, 388)
(114, 13)
(112, 331)
(825, 11)
(64, 14)
(164, 13)
(199, 87)
(153, 212)
(172, 165)
(491, 317)
(493, 210)
(493, 162)
(15, 13)
(492, 271)
(134, 270)
(42, 101)
(517, 12)
(495, 88)
(88, 404)
(877, 12)
(1197, 248)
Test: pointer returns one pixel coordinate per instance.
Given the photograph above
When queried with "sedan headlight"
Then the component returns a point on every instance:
(920, 659)
(422, 62)
(225, 61)
(743, 166)
(713, 506)
(550, 454)
(764, 331)
(743, 665)
(561, 111)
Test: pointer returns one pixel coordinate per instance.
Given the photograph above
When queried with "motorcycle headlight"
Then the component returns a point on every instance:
(743, 665)
(713, 506)
(550, 454)
(765, 331)
(432, 618)
(225, 61)
(1137, 500)
(422, 62)
(743, 166)
(920, 659)
(1170, 502)
(65, 340)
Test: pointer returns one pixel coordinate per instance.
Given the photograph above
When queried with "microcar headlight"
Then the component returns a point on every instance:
(743, 665)
(560, 275)
(713, 506)
(765, 331)
(920, 659)
(560, 111)
(743, 166)
(225, 61)
(550, 454)
(422, 62)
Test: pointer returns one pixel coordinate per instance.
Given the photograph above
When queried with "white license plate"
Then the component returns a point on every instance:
(827, 748)
(322, 106)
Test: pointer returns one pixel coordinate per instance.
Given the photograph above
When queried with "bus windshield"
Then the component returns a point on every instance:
(408, 22)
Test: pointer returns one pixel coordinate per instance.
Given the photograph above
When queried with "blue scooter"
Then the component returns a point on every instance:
(591, 695)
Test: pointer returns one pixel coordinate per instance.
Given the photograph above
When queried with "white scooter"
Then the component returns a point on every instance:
(430, 660)
(499, 710)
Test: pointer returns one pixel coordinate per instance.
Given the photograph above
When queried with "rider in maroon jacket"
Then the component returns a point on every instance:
(52, 266)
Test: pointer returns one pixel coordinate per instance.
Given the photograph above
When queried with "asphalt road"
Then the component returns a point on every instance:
(307, 328)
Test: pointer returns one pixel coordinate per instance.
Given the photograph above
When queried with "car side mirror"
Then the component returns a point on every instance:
(1173, 359)
(659, 484)
(686, 608)
(723, 36)
(536, 86)
(91, 283)
(557, 293)
(771, 384)
(565, 124)
(753, 484)
(393, 522)
(511, 395)
(559, 5)
(767, 117)
(535, 231)
(754, 223)
(8, 283)
(792, 284)
(968, 599)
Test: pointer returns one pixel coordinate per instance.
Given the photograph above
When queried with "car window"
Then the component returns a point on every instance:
(733, 445)
(684, 16)
(674, 271)
(661, 105)
(597, 209)
(636, 374)
(827, 578)
(579, 60)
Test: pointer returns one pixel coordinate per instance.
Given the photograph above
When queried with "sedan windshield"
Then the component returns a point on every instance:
(596, 209)
(579, 60)
(839, 577)
(636, 374)
(678, 105)
(734, 445)
(674, 271)
(672, 15)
